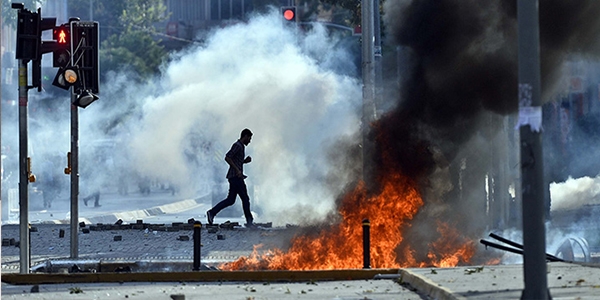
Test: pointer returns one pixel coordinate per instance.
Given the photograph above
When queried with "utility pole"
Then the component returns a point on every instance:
(28, 24)
(74, 159)
(24, 170)
(530, 123)
(368, 73)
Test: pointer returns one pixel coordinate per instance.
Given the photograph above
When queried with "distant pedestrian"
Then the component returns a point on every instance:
(49, 182)
(94, 195)
(236, 158)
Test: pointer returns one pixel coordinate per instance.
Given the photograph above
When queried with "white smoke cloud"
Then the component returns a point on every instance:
(575, 193)
(256, 75)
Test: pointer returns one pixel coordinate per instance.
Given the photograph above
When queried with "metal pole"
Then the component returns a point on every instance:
(24, 171)
(368, 74)
(366, 224)
(530, 119)
(197, 245)
(378, 77)
(74, 177)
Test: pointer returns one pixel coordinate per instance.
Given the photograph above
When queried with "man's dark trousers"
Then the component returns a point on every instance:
(237, 186)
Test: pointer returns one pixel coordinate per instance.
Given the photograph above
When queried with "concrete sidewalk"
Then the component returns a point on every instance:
(565, 281)
(309, 290)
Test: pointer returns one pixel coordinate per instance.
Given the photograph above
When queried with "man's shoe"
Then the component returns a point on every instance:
(210, 217)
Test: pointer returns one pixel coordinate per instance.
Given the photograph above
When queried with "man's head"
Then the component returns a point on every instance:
(246, 136)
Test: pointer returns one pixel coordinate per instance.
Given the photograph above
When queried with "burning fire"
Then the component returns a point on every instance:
(340, 246)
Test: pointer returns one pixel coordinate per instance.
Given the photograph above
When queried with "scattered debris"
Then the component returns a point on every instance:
(75, 290)
(229, 225)
(117, 238)
(8, 242)
(470, 271)
(183, 238)
(35, 289)
(264, 225)
(123, 269)
(212, 228)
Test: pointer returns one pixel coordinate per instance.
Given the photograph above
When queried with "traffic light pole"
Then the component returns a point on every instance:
(24, 171)
(74, 177)
(530, 123)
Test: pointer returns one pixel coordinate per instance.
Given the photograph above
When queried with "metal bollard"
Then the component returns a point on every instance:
(197, 245)
(366, 244)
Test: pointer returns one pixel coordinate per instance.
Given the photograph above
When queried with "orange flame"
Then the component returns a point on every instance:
(340, 246)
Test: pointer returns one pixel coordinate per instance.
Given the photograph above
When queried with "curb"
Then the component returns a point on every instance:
(199, 276)
(427, 286)
(132, 215)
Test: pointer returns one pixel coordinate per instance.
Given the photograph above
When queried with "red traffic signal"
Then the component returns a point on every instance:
(62, 52)
(289, 13)
(61, 35)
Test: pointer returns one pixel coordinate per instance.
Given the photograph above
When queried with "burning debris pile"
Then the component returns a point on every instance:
(340, 245)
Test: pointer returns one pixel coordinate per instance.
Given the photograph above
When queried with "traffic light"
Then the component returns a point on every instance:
(30, 46)
(289, 14)
(28, 35)
(66, 77)
(62, 53)
(84, 54)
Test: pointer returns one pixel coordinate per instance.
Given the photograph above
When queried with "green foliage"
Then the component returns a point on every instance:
(353, 18)
(128, 38)
(9, 15)
(352, 6)
(133, 51)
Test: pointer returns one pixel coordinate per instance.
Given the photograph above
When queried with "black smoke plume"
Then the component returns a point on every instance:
(462, 64)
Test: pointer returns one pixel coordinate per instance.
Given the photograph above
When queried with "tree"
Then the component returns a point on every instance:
(354, 7)
(9, 15)
(128, 37)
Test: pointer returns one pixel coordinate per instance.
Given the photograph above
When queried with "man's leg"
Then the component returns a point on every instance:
(97, 199)
(243, 192)
(229, 201)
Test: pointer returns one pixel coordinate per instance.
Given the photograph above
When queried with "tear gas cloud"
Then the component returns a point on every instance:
(575, 193)
(292, 89)
(256, 75)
